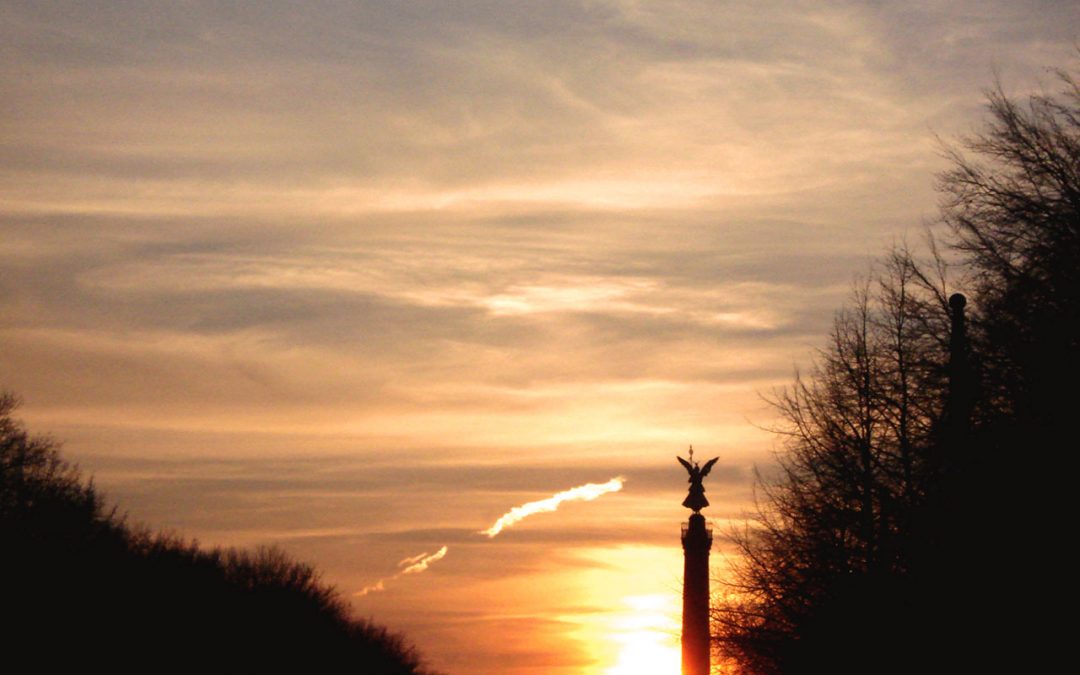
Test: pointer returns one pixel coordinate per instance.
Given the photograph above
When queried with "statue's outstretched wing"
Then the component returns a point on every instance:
(689, 468)
(708, 466)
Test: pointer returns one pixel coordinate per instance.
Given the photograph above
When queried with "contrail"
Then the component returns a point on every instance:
(585, 493)
(412, 560)
(377, 586)
(413, 565)
(423, 563)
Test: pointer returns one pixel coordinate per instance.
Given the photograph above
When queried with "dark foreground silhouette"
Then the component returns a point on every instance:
(924, 499)
(78, 585)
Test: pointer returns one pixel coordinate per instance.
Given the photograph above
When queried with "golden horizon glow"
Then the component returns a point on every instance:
(647, 637)
(637, 618)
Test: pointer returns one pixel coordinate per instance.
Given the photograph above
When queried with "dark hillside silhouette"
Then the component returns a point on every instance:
(921, 500)
(78, 585)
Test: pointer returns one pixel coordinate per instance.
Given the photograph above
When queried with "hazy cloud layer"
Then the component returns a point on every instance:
(356, 277)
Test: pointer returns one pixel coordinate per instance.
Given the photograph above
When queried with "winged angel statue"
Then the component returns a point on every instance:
(696, 499)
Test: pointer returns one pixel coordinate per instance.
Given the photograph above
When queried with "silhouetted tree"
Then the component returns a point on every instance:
(1014, 215)
(832, 526)
(883, 544)
(80, 585)
(1014, 218)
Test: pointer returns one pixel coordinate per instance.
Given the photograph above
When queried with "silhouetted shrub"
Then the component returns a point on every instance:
(78, 585)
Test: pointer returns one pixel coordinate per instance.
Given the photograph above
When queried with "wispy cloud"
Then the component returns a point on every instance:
(584, 493)
(377, 586)
(411, 565)
(412, 560)
(424, 562)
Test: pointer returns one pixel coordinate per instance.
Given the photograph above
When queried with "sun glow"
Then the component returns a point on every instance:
(647, 637)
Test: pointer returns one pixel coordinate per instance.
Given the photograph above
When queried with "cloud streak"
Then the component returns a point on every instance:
(418, 563)
(417, 566)
(584, 493)
(411, 565)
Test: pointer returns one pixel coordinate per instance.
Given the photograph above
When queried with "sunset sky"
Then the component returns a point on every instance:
(357, 278)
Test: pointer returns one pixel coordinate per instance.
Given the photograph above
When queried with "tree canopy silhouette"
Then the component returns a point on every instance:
(921, 470)
(74, 576)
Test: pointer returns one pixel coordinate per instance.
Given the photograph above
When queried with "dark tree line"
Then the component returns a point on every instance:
(80, 586)
(916, 521)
